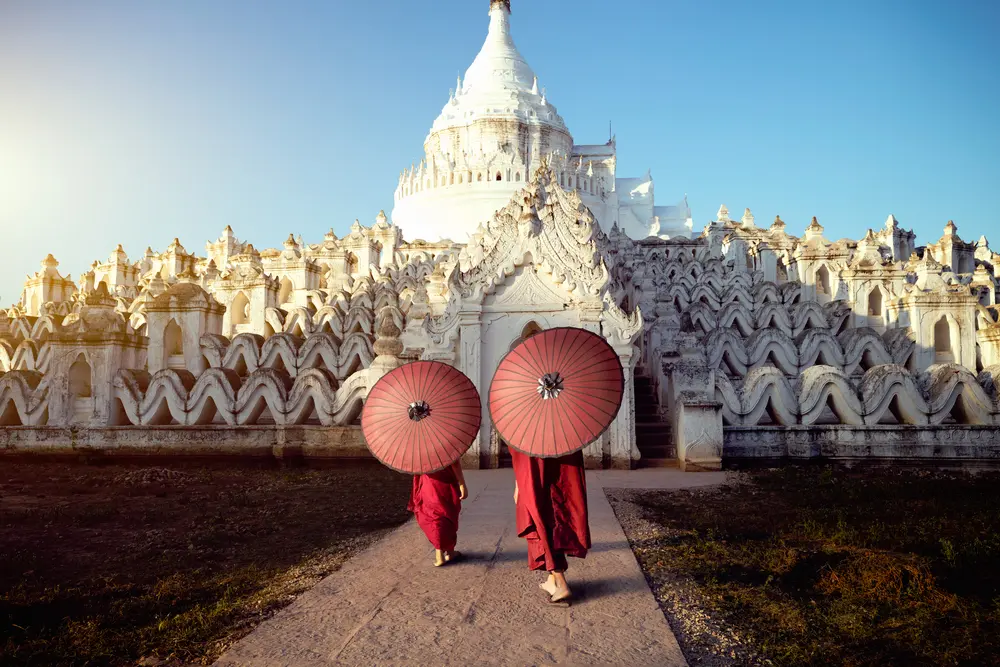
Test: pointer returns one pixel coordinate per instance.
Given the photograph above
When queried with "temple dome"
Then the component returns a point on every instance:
(500, 82)
(496, 128)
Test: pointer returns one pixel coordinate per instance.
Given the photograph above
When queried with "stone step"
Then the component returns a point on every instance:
(658, 463)
(650, 444)
(661, 446)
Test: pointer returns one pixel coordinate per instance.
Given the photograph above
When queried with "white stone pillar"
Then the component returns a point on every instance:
(470, 363)
(624, 450)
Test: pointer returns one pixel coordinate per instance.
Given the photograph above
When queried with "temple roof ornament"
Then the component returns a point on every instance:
(868, 253)
(176, 248)
(118, 256)
(498, 82)
(723, 214)
(549, 224)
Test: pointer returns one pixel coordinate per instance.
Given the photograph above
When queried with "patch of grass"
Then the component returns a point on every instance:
(835, 566)
(111, 564)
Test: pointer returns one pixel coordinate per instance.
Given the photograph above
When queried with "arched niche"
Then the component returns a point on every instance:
(285, 290)
(81, 397)
(875, 302)
(80, 378)
(945, 335)
(823, 281)
(240, 310)
(173, 346)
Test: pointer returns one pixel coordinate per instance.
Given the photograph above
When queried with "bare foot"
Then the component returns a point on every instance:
(560, 594)
(549, 586)
(439, 558)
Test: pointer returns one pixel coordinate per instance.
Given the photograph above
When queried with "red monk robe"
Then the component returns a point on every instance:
(552, 509)
(436, 502)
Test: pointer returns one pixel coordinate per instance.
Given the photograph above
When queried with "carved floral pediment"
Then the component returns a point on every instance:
(543, 251)
(528, 290)
(545, 225)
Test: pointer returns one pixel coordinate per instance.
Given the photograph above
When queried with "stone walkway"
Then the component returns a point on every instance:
(390, 606)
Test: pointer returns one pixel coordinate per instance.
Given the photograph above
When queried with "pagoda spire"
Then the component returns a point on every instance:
(500, 4)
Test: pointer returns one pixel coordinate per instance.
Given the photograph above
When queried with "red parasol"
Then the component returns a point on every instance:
(421, 417)
(556, 392)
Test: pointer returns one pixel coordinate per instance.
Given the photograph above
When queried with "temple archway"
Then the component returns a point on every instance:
(81, 395)
(823, 281)
(944, 351)
(173, 346)
(875, 302)
(501, 448)
(285, 291)
(80, 378)
(240, 310)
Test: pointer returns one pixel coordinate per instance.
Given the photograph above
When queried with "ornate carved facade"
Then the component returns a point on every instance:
(742, 341)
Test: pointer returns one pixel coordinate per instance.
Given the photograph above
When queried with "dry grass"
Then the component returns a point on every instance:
(830, 566)
(111, 564)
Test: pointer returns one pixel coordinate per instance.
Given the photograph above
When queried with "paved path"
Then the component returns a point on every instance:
(389, 606)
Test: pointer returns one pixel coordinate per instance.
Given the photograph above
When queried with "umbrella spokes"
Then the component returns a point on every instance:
(419, 410)
(404, 431)
(550, 385)
(576, 368)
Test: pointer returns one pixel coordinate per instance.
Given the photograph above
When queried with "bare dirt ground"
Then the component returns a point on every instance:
(825, 565)
(122, 563)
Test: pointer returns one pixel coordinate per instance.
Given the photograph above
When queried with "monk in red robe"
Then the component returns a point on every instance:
(551, 499)
(436, 500)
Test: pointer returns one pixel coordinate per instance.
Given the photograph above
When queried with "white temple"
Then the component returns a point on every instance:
(496, 129)
(743, 342)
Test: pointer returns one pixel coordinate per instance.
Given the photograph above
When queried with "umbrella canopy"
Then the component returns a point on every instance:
(421, 417)
(556, 392)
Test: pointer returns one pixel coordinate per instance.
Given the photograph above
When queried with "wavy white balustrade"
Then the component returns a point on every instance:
(943, 393)
(23, 399)
(219, 394)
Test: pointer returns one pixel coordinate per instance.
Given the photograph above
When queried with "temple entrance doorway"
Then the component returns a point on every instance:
(502, 450)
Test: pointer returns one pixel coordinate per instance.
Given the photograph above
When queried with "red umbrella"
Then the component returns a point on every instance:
(556, 392)
(421, 417)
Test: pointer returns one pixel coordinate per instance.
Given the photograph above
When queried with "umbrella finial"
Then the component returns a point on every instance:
(550, 385)
(419, 410)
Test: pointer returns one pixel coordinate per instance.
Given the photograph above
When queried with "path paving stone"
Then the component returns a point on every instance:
(390, 606)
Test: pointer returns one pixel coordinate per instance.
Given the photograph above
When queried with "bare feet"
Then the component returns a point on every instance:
(561, 595)
(439, 558)
(556, 587)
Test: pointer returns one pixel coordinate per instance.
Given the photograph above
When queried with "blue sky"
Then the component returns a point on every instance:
(135, 122)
